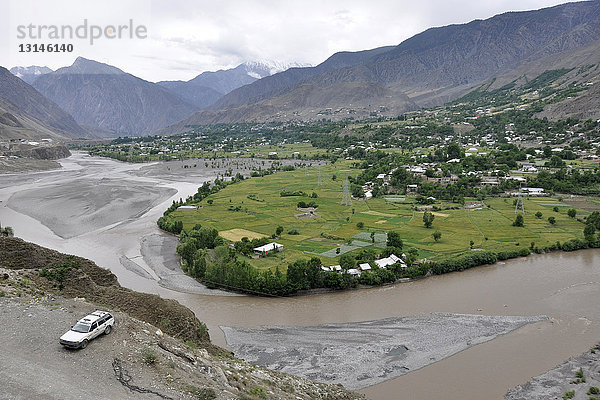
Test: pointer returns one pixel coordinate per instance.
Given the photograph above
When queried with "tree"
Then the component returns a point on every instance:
(360, 225)
(538, 214)
(428, 219)
(552, 220)
(357, 191)
(555, 209)
(556, 162)
(393, 240)
(437, 235)
(278, 230)
(588, 232)
(347, 261)
(454, 151)
(471, 244)
(572, 212)
(372, 237)
(518, 220)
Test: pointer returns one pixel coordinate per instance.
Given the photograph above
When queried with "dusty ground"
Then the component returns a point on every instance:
(42, 295)
(35, 366)
(562, 379)
(362, 354)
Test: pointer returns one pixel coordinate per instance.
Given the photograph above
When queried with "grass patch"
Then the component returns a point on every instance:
(237, 234)
(489, 228)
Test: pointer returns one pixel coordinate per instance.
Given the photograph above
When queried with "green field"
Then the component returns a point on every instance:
(489, 228)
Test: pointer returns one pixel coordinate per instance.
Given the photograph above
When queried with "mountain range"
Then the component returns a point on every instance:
(102, 96)
(26, 113)
(206, 88)
(428, 69)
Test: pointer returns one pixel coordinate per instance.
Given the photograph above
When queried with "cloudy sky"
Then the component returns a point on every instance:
(185, 38)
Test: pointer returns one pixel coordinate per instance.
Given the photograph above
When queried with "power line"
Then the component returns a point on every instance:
(519, 203)
(346, 197)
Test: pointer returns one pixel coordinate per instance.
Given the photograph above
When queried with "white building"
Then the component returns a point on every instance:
(391, 260)
(364, 267)
(182, 208)
(265, 249)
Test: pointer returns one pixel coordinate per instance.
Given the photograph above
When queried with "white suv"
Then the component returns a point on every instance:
(87, 329)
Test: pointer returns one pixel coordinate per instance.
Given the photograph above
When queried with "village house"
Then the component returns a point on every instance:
(270, 247)
(364, 267)
(391, 260)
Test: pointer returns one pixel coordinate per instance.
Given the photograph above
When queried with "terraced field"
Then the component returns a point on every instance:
(255, 208)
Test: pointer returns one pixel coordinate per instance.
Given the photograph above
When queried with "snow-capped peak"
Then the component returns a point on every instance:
(29, 74)
(32, 70)
(261, 69)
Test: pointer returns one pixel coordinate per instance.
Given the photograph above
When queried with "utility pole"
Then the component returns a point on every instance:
(346, 197)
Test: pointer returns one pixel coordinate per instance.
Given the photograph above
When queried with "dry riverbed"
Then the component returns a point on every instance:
(362, 354)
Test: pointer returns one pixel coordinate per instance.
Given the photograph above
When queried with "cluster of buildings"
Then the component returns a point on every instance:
(381, 263)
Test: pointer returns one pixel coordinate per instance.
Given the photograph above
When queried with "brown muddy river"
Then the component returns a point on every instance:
(563, 286)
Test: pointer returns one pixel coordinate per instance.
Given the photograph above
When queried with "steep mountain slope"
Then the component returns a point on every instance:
(583, 65)
(27, 114)
(103, 96)
(278, 83)
(209, 86)
(430, 68)
(29, 74)
(586, 106)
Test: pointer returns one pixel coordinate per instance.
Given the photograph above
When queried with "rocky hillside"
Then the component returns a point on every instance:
(50, 152)
(102, 96)
(158, 348)
(430, 68)
(25, 113)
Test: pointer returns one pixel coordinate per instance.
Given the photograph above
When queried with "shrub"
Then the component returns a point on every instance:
(518, 220)
(148, 355)
(574, 244)
(258, 391)
(593, 390)
(569, 395)
(360, 225)
(464, 262)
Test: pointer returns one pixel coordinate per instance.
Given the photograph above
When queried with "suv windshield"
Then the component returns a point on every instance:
(82, 328)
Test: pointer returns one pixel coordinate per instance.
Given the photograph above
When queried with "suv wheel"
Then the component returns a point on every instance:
(107, 330)
(84, 344)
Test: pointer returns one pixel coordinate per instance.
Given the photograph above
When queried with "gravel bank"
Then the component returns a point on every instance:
(560, 380)
(159, 253)
(362, 354)
(92, 204)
